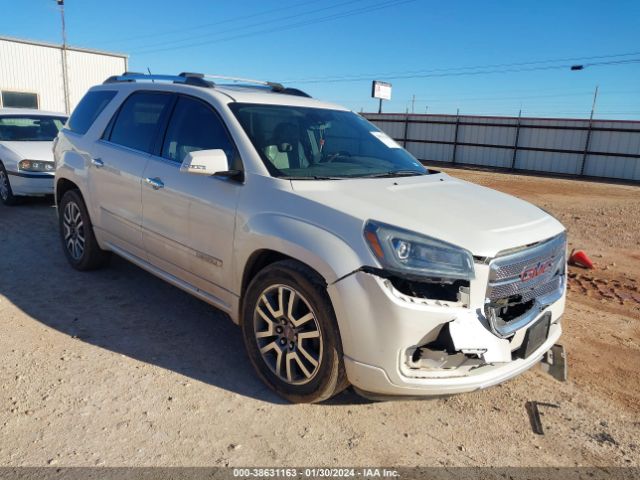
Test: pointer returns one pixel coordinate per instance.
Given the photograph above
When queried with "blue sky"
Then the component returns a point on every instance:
(483, 57)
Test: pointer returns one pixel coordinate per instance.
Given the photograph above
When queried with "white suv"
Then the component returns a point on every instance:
(343, 259)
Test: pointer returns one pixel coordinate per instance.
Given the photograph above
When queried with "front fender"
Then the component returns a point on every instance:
(327, 253)
(324, 251)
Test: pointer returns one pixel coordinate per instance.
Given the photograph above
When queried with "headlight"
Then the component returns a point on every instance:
(36, 166)
(404, 251)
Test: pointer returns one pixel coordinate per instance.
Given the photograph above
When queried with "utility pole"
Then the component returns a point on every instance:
(426, 109)
(65, 72)
(413, 103)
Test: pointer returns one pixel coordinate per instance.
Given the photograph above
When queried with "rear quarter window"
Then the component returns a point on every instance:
(91, 105)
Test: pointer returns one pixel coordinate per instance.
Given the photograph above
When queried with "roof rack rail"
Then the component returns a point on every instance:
(276, 87)
(295, 91)
(187, 78)
(201, 80)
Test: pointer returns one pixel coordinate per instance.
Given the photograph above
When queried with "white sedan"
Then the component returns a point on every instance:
(26, 159)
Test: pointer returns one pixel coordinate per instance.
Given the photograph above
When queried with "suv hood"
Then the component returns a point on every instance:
(32, 150)
(477, 218)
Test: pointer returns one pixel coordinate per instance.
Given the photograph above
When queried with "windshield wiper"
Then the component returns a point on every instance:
(314, 177)
(393, 173)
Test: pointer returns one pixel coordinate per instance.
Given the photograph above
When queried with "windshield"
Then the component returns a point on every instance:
(22, 128)
(314, 143)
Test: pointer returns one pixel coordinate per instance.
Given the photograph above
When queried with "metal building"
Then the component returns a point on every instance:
(32, 74)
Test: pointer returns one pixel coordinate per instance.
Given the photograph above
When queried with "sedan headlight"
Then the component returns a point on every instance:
(407, 252)
(36, 166)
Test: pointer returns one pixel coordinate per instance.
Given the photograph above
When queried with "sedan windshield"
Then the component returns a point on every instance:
(314, 143)
(22, 128)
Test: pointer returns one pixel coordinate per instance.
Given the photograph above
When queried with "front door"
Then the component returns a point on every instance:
(188, 219)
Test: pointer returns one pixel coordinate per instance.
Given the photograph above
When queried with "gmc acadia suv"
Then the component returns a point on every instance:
(343, 259)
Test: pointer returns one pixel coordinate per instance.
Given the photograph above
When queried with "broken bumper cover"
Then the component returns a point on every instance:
(380, 329)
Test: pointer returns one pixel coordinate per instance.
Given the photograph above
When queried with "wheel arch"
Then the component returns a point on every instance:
(63, 185)
(268, 238)
(259, 260)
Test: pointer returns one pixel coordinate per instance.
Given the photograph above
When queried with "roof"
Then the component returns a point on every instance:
(246, 94)
(247, 91)
(30, 111)
(59, 46)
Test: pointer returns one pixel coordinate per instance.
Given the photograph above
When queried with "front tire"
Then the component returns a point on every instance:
(291, 334)
(76, 232)
(6, 193)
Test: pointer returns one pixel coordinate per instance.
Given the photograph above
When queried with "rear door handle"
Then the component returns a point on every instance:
(98, 163)
(155, 183)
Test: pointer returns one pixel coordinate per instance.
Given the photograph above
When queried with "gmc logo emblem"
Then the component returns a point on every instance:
(533, 271)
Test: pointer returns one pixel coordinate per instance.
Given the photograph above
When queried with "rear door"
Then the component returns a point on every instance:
(118, 163)
(189, 220)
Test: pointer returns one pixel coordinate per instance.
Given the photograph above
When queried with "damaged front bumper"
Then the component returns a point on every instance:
(398, 345)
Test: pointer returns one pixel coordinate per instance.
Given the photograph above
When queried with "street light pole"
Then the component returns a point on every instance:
(65, 72)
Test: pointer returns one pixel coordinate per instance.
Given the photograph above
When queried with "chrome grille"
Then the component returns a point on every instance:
(515, 286)
(544, 289)
(535, 273)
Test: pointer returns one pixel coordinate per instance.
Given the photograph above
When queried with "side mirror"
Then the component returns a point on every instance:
(206, 162)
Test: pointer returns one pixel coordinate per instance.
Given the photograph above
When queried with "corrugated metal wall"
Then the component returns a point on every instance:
(86, 70)
(37, 68)
(598, 148)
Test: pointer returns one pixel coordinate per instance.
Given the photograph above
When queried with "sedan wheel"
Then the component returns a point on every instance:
(4, 186)
(6, 194)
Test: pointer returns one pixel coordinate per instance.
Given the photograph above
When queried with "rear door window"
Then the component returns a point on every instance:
(137, 121)
(195, 126)
(91, 105)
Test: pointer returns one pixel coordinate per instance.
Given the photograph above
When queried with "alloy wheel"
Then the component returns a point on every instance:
(288, 334)
(73, 225)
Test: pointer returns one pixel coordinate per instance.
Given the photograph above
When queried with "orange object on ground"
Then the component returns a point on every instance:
(580, 259)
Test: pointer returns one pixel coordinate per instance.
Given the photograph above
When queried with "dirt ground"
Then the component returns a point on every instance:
(118, 368)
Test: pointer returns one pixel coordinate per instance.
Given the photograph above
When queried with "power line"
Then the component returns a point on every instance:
(190, 38)
(280, 28)
(450, 98)
(164, 33)
(465, 70)
(480, 72)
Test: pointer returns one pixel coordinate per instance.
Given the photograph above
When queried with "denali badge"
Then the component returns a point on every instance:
(533, 271)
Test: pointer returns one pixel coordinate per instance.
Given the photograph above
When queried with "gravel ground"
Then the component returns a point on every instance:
(117, 368)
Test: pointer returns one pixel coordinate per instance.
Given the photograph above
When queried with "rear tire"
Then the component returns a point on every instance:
(291, 334)
(6, 193)
(76, 232)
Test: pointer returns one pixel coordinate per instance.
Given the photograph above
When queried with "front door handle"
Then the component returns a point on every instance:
(98, 163)
(155, 183)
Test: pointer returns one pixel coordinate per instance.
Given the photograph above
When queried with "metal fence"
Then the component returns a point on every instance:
(594, 148)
